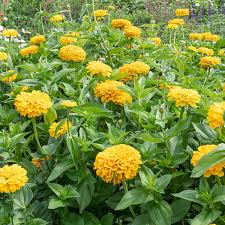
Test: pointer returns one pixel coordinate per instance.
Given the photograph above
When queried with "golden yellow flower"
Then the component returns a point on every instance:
(206, 51)
(221, 52)
(12, 178)
(3, 56)
(216, 170)
(117, 163)
(215, 115)
(211, 37)
(195, 36)
(183, 96)
(67, 40)
(32, 104)
(176, 21)
(36, 40)
(182, 12)
(56, 18)
(37, 162)
(33, 49)
(156, 40)
(24, 88)
(121, 23)
(133, 70)
(10, 33)
(209, 61)
(11, 78)
(192, 48)
(72, 53)
(73, 34)
(98, 68)
(132, 32)
(108, 91)
(61, 131)
(68, 103)
(100, 13)
(172, 26)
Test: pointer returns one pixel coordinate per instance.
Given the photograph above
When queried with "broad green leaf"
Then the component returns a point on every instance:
(142, 220)
(151, 138)
(204, 132)
(107, 219)
(56, 188)
(73, 219)
(90, 219)
(38, 221)
(30, 67)
(56, 203)
(189, 195)
(50, 116)
(164, 180)
(73, 146)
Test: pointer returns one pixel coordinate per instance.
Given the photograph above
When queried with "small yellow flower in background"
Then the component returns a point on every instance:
(24, 88)
(33, 49)
(176, 21)
(12, 178)
(221, 52)
(98, 68)
(100, 13)
(108, 91)
(156, 40)
(61, 131)
(57, 18)
(3, 56)
(36, 40)
(211, 37)
(67, 40)
(37, 162)
(195, 36)
(117, 163)
(72, 34)
(216, 170)
(68, 103)
(72, 53)
(133, 70)
(182, 12)
(166, 87)
(215, 115)
(172, 26)
(10, 78)
(121, 23)
(132, 32)
(192, 48)
(32, 104)
(10, 33)
(206, 51)
(184, 97)
(209, 61)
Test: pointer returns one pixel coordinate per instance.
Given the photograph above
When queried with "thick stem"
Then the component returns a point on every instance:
(218, 181)
(36, 135)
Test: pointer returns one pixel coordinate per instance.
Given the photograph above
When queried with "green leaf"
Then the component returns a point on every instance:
(207, 216)
(211, 159)
(90, 219)
(37, 221)
(141, 220)
(56, 188)
(73, 146)
(30, 67)
(50, 116)
(189, 195)
(107, 219)
(72, 219)
(56, 203)
(151, 138)
(135, 197)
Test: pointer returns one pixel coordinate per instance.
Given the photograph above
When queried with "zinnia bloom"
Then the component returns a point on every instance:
(72, 53)
(182, 12)
(32, 104)
(10, 33)
(156, 40)
(12, 178)
(211, 37)
(195, 36)
(192, 48)
(221, 52)
(61, 131)
(209, 61)
(184, 97)
(98, 68)
(216, 170)
(121, 23)
(56, 18)
(3, 56)
(101, 13)
(108, 91)
(206, 51)
(68, 104)
(172, 26)
(215, 115)
(67, 40)
(133, 70)
(36, 40)
(73, 34)
(117, 163)
(11, 78)
(176, 21)
(33, 49)
(132, 32)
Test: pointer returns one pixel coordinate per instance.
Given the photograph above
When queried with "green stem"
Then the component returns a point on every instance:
(67, 120)
(218, 181)
(207, 76)
(42, 23)
(11, 218)
(182, 112)
(168, 153)
(36, 135)
(126, 190)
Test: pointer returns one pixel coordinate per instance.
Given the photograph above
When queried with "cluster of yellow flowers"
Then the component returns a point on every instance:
(215, 115)
(208, 36)
(12, 178)
(33, 49)
(175, 23)
(100, 13)
(156, 40)
(133, 70)
(117, 163)
(98, 68)
(11, 78)
(206, 51)
(32, 104)
(132, 32)
(3, 56)
(36, 40)
(209, 61)
(72, 53)
(216, 170)
(65, 40)
(183, 96)
(68, 104)
(182, 12)
(121, 23)
(61, 131)
(108, 91)
(56, 18)
(10, 33)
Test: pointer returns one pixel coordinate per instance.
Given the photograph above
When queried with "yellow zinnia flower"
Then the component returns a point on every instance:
(215, 115)
(195, 36)
(182, 12)
(11, 78)
(211, 37)
(3, 56)
(221, 52)
(121, 23)
(216, 170)
(176, 21)
(36, 40)
(183, 96)
(72, 53)
(56, 18)
(100, 13)
(156, 40)
(132, 32)
(192, 48)
(32, 104)
(206, 51)
(98, 68)
(33, 49)
(61, 131)
(67, 40)
(12, 178)
(117, 163)
(209, 61)
(172, 26)
(68, 104)
(108, 91)
(72, 34)
(10, 33)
